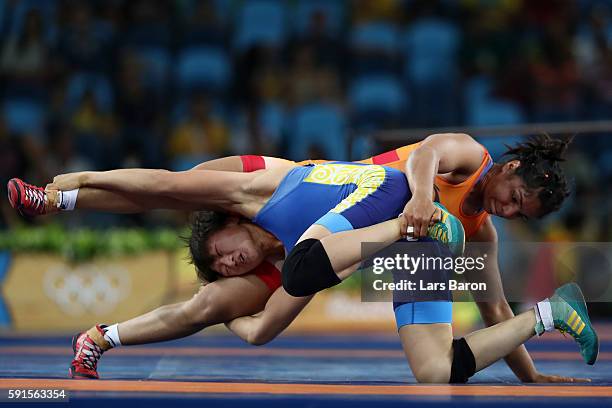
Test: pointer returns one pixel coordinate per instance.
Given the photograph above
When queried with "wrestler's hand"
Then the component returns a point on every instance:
(419, 212)
(69, 181)
(544, 378)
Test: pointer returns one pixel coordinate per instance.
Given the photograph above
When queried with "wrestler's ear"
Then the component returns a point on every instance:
(511, 166)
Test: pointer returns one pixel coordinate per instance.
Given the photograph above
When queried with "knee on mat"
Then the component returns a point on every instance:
(434, 372)
(461, 367)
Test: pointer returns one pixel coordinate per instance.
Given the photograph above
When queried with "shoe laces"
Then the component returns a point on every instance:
(89, 353)
(35, 195)
(439, 232)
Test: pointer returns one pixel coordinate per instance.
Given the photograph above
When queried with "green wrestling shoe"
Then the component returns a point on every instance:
(570, 315)
(449, 231)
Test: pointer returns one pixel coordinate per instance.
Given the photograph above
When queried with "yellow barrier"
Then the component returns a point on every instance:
(44, 293)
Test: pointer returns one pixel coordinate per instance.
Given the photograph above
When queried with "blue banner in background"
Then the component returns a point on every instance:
(5, 262)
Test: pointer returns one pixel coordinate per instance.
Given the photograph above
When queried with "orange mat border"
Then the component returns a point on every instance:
(308, 389)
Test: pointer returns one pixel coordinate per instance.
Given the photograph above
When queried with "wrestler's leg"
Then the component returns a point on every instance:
(430, 348)
(436, 357)
(214, 303)
(322, 259)
(116, 202)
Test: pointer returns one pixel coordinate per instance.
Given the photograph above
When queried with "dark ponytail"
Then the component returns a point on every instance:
(540, 169)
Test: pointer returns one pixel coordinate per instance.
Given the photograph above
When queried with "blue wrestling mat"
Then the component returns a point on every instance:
(315, 371)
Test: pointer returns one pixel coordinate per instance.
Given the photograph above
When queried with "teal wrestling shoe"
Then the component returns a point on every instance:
(449, 231)
(570, 315)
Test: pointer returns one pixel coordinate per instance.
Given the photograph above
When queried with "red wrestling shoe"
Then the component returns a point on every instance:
(87, 353)
(28, 200)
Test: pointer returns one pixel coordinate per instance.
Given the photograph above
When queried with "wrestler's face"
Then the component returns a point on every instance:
(507, 196)
(233, 250)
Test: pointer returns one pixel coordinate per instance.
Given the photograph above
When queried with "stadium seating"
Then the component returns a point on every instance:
(3, 13)
(375, 49)
(145, 35)
(45, 8)
(332, 9)
(376, 100)
(477, 90)
(496, 112)
(377, 36)
(98, 84)
(321, 126)
(260, 22)
(156, 62)
(24, 116)
(430, 47)
(272, 121)
(203, 68)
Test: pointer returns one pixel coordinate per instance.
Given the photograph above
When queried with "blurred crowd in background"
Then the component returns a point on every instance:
(168, 84)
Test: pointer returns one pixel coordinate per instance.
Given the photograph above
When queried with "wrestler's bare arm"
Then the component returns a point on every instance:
(495, 309)
(235, 163)
(280, 311)
(455, 155)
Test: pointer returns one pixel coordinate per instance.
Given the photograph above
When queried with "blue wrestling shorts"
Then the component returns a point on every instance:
(422, 306)
(423, 312)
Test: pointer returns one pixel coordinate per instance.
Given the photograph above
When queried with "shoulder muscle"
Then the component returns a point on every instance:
(458, 152)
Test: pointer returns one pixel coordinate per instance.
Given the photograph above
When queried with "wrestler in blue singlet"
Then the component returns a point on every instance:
(343, 196)
(339, 196)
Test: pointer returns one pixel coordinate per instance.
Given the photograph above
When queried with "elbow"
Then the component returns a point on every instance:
(423, 151)
(423, 154)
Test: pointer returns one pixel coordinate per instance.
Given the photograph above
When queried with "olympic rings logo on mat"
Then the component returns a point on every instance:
(87, 289)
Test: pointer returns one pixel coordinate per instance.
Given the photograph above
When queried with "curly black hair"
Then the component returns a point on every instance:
(203, 224)
(540, 169)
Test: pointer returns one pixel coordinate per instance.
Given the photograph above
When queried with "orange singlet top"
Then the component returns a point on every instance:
(451, 196)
